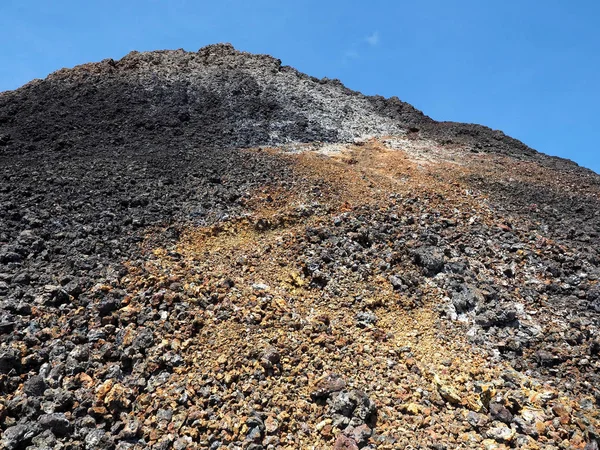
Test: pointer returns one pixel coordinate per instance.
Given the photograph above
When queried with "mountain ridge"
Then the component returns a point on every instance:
(151, 70)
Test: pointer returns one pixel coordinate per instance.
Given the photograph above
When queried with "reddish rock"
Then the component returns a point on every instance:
(345, 443)
(326, 386)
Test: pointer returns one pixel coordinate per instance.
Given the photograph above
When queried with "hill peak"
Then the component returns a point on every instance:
(221, 56)
(220, 96)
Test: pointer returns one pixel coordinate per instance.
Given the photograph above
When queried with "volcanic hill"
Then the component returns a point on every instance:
(214, 251)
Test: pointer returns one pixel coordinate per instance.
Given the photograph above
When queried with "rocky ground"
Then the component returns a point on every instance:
(162, 287)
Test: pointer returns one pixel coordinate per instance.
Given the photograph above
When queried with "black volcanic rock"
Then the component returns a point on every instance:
(217, 96)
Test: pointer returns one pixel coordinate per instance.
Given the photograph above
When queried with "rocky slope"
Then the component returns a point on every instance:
(212, 250)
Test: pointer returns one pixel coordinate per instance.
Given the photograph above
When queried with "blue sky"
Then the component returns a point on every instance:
(529, 67)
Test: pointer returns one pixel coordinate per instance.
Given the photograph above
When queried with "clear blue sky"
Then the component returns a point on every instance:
(530, 68)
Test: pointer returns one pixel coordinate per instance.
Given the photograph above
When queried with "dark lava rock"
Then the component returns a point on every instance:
(547, 359)
(496, 317)
(108, 306)
(97, 440)
(396, 282)
(500, 412)
(22, 278)
(56, 295)
(254, 434)
(18, 436)
(8, 257)
(431, 259)
(56, 422)
(593, 297)
(62, 398)
(467, 299)
(143, 340)
(35, 386)
(477, 420)
(270, 358)
(351, 408)
(6, 326)
(366, 318)
(44, 441)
